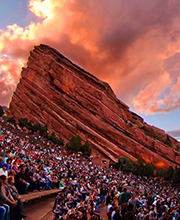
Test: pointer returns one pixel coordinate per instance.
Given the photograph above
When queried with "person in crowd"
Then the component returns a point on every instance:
(14, 193)
(3, 170)
(20, 181)
(6, 198)
(124, 197)
(129, 214)
(83, 181)
(4, 208)
(134, 201)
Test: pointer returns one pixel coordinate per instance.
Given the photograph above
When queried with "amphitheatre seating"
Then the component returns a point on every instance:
(38, 195)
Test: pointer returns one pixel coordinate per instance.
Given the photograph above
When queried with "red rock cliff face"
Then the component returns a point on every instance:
(71, 101)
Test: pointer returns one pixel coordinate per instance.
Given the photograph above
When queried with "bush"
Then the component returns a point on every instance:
(75, 145)
(52, 138)
(85, 149)
(37, 126)
(44, 131)
(125, 164)
(159, 138)
(10, 120)
(149, 169)
(60, 142)
(176, 176)
(147, 133)
(168, 142)
(160, 172)
(23, 122)
(169, 173)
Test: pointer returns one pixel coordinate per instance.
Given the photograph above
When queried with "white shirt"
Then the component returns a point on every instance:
(2, 172)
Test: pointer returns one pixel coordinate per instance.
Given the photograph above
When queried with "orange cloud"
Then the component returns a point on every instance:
(131, 45)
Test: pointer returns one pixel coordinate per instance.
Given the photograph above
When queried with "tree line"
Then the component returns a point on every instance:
(147, 169)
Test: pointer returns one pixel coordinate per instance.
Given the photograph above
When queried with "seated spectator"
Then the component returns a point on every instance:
(16, 197)
(20, 181)
(31, 180)
(6, 198)
(4, 208)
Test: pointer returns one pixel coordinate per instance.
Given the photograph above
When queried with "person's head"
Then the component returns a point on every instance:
(125, 189)
(9, 161)
(4, 179)
(140, 209)
(4, 166)
(133, 195)
(11, 180)
(22, 170)
(80, 215)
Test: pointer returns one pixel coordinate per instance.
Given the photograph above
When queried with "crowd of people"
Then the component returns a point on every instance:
(29, 164)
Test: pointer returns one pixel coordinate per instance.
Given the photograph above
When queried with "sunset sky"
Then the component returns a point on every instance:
(133, 45)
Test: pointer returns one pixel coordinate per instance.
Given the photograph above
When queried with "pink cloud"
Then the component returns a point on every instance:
(124, 43)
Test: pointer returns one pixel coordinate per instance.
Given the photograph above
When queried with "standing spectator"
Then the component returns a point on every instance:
(162, 209)
(124, 197)
(103, 192)
(134, 201)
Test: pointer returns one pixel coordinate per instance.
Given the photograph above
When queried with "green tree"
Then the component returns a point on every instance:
(11, 120)
(37, 126)
(149, 169)
(60, 142)
(85, 149)
(169, 173)
(124, 164)
(30, 126)
(44, 131)
(159, 138)
(1, 111)
(23, 122)
(53, 138)
(160, 172)
(140, 167)
(74, 144)
(176, 176)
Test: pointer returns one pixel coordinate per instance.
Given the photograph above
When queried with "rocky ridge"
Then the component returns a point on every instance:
(72, 101)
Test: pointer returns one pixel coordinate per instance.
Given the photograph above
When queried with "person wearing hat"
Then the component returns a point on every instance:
(3, 170)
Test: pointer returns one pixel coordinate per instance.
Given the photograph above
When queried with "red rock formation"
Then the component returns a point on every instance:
(71, 101)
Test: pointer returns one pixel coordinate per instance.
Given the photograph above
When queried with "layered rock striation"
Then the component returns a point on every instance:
(73, 102)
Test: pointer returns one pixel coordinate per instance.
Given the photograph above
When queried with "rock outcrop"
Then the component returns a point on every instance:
(73, 102)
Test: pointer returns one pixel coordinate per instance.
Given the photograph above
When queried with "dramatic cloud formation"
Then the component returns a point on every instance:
(132, 45)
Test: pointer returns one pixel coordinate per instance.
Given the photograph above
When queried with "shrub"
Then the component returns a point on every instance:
(23, 122)
(75, 145)
(176, 176)
(159, 138)
(10, 120)
(169, 173)
(160, 172)
(168, 142)
(147, 133)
